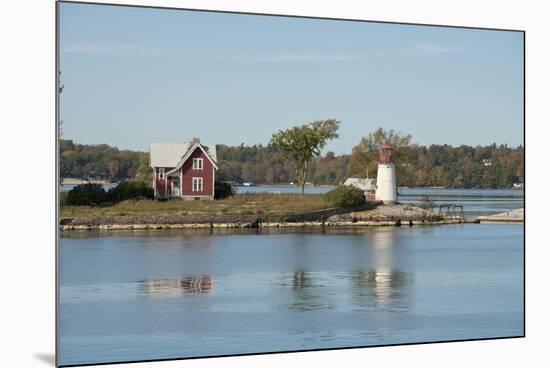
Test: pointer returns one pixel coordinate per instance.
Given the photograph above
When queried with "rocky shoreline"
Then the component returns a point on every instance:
(517, 215)
(368, 215)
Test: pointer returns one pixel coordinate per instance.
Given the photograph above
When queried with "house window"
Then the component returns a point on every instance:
(161, 172)
(197, 164)
(197, 184)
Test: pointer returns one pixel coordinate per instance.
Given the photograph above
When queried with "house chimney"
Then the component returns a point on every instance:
(196, 140)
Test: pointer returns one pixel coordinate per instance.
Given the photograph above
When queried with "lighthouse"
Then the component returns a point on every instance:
(386, 186)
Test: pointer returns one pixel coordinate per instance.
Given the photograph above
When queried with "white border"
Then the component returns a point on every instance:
(27, 113)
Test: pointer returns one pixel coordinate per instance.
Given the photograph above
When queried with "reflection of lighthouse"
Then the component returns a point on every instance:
(386, 187)
(384, 286)
(382, 276)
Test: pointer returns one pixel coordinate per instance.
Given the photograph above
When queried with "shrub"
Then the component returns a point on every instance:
(223, 190)
(63, 198)
(129, 190)
(345, 196)
(86, 195)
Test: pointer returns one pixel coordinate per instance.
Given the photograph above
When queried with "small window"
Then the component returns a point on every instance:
(197, 164)
(161, 172)
(197, 184)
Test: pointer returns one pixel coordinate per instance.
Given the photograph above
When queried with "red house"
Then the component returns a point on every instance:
(183, 170)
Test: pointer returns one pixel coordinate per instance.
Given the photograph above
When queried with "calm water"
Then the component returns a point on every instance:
(283, 189)
(168, 294)
(476, 202)
(67, 187)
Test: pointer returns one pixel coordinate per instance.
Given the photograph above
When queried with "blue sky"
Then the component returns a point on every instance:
(134, 76)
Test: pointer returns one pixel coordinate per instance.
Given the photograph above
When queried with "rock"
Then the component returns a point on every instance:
(396, 212)
(517, 215)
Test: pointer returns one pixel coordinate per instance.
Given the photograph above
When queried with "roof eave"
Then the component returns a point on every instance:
(188, 154)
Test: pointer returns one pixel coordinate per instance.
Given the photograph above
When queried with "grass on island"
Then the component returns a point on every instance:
(239, 204)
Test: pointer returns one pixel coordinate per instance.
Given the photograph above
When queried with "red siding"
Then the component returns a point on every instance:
(206, 174)
(160, 184)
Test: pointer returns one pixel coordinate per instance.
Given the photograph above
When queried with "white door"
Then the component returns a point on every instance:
(175, 186)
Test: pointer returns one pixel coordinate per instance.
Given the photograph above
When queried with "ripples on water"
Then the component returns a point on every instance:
(167, 294)
(369, 289)
(176, 286)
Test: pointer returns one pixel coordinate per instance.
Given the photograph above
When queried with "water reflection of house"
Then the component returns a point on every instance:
(178, 286)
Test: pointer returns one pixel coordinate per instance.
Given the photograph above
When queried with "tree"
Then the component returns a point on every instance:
(301, 143)
(364, 155)
(345, 196)
(330, 155)
(144, 170)
(223, 190)
(461, 166)
(132, 189)
(86, 195)
(113, 168)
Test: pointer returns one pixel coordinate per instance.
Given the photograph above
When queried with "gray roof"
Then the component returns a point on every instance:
(170, 154)
(362, 183)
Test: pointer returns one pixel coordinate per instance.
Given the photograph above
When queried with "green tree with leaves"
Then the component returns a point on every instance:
(144, 170)
(302, 143)
(364, 155)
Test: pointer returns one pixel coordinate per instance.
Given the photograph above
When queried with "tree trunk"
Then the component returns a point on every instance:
(300, 181)
(302, 178)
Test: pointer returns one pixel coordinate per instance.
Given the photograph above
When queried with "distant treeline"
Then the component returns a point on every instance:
(99, 161)
(436, 165)
(260, 164)
(461, 167)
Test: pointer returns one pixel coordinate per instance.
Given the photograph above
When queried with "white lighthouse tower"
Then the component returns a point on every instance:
(386, 185)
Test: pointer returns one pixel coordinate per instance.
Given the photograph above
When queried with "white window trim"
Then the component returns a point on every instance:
(198, 163)
(161, 173)
(199, 187)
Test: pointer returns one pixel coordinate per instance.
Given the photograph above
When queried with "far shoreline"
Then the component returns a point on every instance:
(74, 182)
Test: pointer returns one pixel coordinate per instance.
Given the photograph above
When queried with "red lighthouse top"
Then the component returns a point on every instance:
(385, 154)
